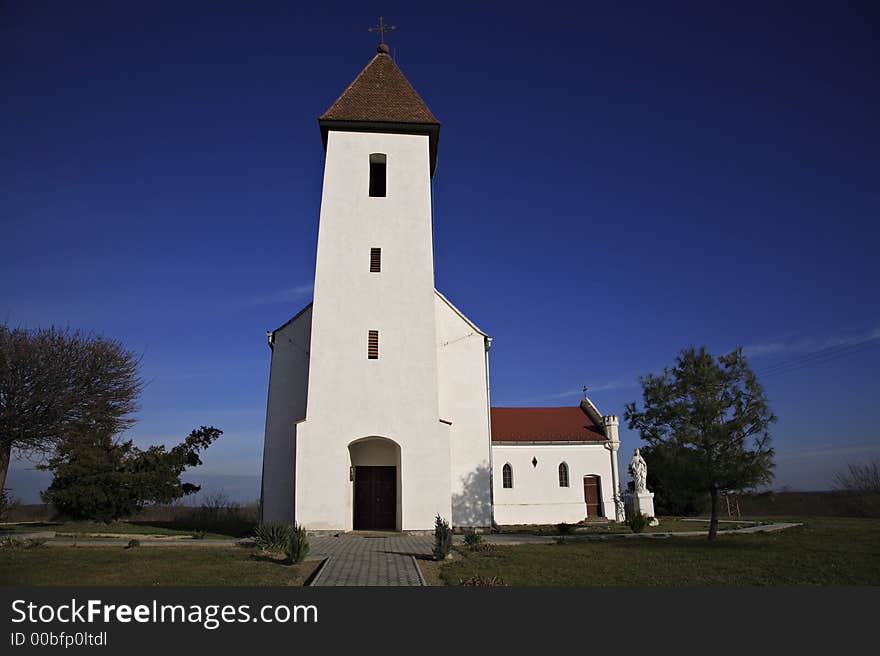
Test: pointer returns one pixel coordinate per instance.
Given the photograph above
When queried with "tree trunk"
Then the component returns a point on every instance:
(713, 522)
(5, 457)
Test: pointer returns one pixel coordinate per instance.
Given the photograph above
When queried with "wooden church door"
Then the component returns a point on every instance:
(375, 498)
(592, 496)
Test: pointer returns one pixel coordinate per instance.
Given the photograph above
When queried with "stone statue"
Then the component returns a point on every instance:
(639, 469)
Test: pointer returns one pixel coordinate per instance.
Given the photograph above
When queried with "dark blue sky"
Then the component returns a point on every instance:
(613, 183)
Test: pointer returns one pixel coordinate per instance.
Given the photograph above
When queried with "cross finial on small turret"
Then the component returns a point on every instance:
(585, 391)
(381, 28)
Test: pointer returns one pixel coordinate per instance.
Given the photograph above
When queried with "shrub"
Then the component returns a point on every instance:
(297, 546)
(442, 538)
(198, 535)
(472, 538)
(564, 528)
(11, 542)
(272, 536)
(482, 581)
(102, 478)
(8, 505)
(638, 522)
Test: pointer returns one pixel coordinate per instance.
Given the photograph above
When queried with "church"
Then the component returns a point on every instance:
(379, 414)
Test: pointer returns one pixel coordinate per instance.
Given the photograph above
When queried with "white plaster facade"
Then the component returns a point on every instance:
(536, 496)
(427, 393)
(423, 406)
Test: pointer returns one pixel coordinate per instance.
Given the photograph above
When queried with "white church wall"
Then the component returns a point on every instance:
(536, 497)
(463, 398)
(288, 387)
(395, 397)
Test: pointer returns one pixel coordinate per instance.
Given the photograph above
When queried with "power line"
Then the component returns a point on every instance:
(819, 357)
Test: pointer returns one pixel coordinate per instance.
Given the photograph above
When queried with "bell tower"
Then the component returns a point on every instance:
(372, 400)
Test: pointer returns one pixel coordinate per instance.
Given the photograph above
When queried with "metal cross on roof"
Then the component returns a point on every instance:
(585, 391)
(381, 28)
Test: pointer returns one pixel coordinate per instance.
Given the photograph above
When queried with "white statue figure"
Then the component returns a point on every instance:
(639, 469)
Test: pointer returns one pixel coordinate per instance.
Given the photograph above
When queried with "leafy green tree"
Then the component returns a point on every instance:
(714, 414)
(106, 479)
(670, 479)
(55, 383)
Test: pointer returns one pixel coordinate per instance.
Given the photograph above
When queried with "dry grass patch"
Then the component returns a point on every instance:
(185, 566)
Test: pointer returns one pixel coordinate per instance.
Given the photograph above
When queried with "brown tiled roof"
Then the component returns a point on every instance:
(380, 93)
(568, 424)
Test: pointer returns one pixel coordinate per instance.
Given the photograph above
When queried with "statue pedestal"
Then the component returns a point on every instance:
(643, 502)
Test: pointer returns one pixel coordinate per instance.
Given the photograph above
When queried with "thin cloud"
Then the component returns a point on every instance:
(575, 393)
(809, 344)
(289, 295)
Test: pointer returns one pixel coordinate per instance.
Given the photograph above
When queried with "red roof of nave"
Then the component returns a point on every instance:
(567, 424)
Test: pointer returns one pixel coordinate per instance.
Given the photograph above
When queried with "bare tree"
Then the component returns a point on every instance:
(862, 479)
(56, 384)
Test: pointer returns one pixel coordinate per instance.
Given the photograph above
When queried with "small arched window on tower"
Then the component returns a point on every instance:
(377, 174)
(563, 474)
(507, 476)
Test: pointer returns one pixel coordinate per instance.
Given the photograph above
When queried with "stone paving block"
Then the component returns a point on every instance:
(357, 559)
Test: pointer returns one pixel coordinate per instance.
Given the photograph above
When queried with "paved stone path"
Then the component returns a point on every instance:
(370, 559)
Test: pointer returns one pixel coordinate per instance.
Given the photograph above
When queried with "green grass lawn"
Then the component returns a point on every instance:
(667, 524)
(825, 551)
(147, 566)
(74, 529)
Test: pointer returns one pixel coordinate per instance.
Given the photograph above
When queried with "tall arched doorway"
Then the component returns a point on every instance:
(375, 469)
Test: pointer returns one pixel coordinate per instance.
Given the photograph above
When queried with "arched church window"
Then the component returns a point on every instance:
(563, 474)
(507, 476)
(377, 174)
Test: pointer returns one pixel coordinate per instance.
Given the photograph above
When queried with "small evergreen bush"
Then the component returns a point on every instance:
(442, 538)
(638, 522)
(564, 528)
(297, 547)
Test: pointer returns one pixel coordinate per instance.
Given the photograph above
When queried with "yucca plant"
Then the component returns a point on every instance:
(472, 539)
(272, 536)
(297, 547)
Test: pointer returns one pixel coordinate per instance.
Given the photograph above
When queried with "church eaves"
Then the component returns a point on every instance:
(381, 99)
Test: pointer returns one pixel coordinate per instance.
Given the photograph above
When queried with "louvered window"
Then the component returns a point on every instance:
(377, 174)
(375, 260)
(373, 345)
(507, 476)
